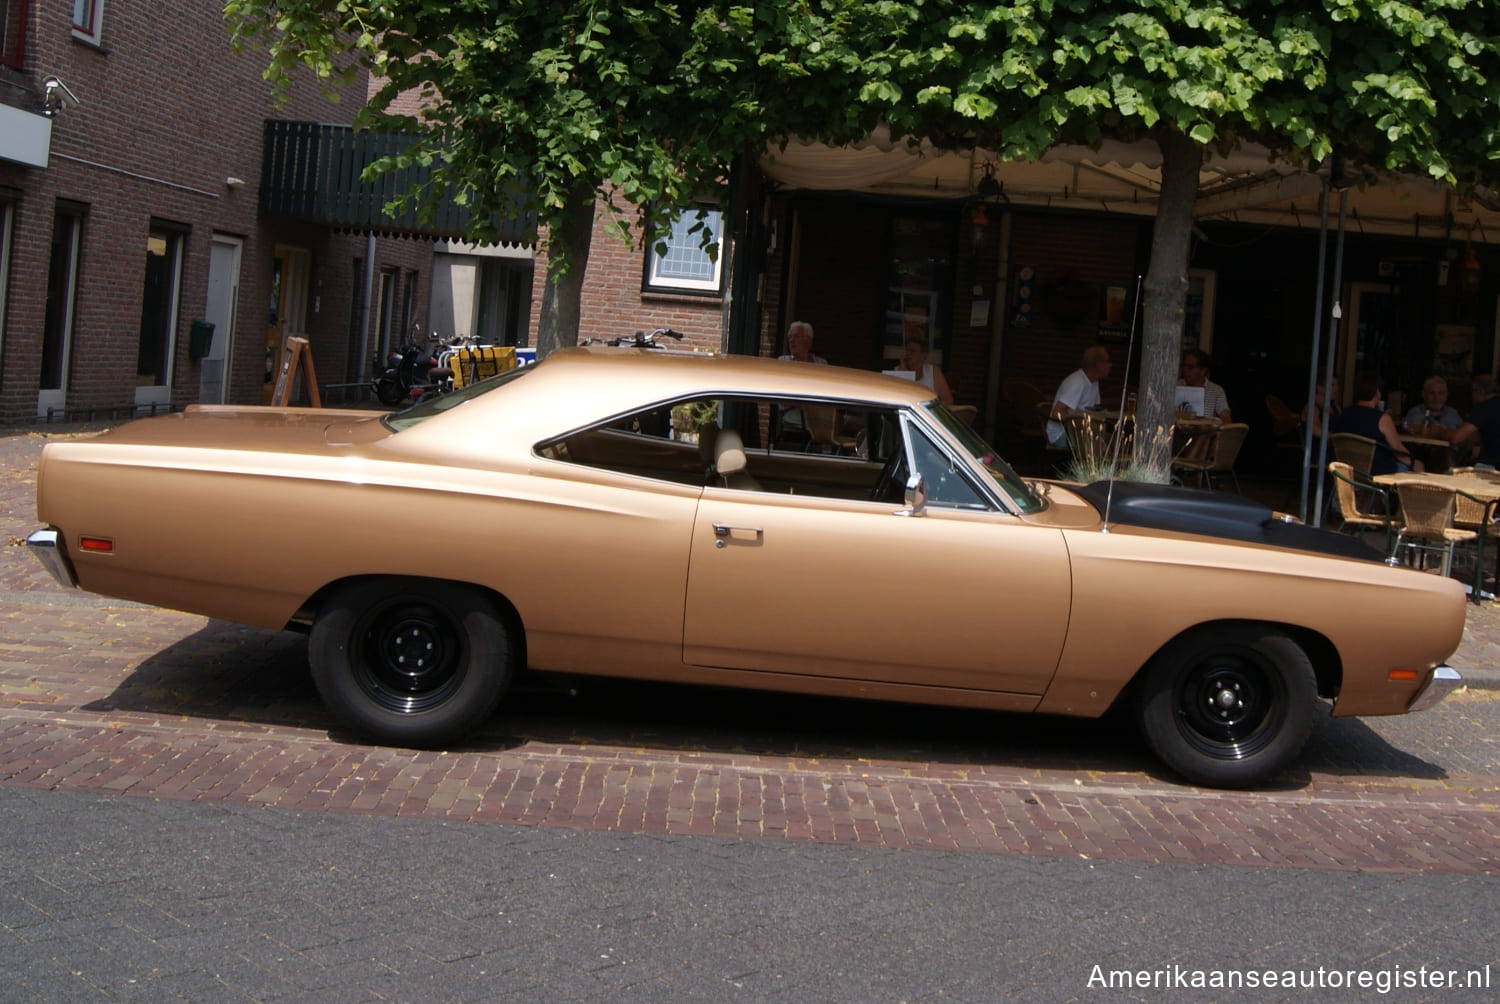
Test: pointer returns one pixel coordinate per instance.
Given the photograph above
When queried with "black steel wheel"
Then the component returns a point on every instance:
(416, 662)
(1228, 706)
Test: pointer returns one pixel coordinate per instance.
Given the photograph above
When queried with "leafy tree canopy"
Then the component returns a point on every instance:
(1403, 86)
(544, 105)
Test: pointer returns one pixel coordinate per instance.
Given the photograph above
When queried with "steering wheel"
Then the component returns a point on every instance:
(887, 480)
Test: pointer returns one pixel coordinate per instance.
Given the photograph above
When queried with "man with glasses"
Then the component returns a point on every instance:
(1195, 368)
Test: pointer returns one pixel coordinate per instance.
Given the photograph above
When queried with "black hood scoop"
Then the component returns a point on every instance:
(1216, 514)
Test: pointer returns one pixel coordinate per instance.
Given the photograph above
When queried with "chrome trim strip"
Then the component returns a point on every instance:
(1442, 682)
(47, 546)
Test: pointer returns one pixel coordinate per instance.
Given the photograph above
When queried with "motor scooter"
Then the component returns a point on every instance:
(410, 371)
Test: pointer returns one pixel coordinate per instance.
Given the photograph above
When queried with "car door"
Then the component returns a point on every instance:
(961, 596)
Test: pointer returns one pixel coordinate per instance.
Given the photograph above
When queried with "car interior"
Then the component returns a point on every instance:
(805, 448)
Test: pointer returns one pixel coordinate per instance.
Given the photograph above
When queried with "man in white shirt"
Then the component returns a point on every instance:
(1079, 391)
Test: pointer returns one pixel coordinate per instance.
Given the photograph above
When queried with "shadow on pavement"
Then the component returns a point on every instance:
(230, 672)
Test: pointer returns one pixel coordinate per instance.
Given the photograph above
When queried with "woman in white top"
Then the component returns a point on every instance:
(914, 360)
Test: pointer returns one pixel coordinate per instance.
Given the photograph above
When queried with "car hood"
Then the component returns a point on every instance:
(1215, 514)
(253, 428)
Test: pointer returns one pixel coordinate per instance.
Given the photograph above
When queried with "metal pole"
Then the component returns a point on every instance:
(1333, 343)
(1312, 369)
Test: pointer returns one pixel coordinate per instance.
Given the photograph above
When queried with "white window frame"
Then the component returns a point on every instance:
(88, 20)
(687, 267)
(49, 398)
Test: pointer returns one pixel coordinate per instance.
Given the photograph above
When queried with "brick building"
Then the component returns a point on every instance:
(131, 150)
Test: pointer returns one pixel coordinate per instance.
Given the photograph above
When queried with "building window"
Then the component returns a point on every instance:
(159, 298)
(88, 19)
(385, 319)
(62, 294)
(677, 262)
(13, 33)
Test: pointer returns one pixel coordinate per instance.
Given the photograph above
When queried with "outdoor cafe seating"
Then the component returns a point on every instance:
(1361, 504)
(1222, 453)
(1426, 525)
(1441, 511)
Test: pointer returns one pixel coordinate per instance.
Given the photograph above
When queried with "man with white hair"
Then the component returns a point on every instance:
(799, 335)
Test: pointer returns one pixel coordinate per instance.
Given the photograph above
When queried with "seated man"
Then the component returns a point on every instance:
(1079, 391)
(1483, 426)
(1195, 370)
(1434, 409)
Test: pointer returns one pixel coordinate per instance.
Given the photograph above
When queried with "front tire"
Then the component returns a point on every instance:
(1228, 707)
(411, 662)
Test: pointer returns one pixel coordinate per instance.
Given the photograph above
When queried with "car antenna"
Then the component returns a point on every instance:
(1109, 495)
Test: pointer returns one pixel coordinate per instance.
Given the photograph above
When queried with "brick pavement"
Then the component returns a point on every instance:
(105, 697)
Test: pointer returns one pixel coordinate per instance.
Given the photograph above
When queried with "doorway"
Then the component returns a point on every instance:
(1368, 337)
(288, 306)
(223, 302)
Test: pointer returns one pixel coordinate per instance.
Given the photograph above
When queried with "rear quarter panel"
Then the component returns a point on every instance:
(594, 563)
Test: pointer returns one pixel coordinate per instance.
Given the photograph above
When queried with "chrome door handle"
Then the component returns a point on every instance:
(723, 530)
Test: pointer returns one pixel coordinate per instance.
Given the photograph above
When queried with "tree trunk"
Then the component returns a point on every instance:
(568, 259)
(1164, 303)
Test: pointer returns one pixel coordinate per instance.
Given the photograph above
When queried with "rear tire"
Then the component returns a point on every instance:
(411, 662)
(1228, 707)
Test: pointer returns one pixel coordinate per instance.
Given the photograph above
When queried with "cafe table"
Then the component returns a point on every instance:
(1188, 431)
(1436, 454)
(1485, 489)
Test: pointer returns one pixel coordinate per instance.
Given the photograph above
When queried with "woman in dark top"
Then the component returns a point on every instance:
(1364, 418)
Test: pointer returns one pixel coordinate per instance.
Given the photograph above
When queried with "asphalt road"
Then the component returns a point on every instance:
(179, 820)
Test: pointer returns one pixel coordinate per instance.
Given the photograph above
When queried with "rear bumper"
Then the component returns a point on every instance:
(47, 546)
(1440, 683)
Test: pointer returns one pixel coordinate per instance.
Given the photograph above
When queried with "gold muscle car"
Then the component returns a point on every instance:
(800, 528)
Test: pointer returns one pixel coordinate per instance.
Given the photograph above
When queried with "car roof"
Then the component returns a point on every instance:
(677, 373)
(576, 387)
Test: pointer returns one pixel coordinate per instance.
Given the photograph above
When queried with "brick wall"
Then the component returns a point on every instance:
(614, 303)
(168, 112)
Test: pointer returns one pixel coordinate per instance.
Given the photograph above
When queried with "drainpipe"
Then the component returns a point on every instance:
(364, 309)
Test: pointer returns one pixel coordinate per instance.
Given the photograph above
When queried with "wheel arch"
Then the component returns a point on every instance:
(1327, 665)
(302, 620)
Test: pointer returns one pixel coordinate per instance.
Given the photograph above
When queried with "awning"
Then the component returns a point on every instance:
(1247, 186)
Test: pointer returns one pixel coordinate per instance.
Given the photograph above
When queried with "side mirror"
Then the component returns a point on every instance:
(916, 497)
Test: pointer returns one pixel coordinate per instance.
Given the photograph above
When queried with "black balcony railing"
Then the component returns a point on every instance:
(311, 172)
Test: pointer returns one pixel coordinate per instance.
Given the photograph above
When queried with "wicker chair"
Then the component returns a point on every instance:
(1427, 522)
(1356, 451)
(965, 413)
(825, 430)
(1221, 455)
(1472, 513)
(1348, 486)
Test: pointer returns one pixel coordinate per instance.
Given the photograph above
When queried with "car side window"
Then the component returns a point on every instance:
(677, 442)
(660, 442)
(947, 484)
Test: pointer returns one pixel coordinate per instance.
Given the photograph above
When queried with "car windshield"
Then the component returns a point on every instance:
(428, 406)
(984, 454)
